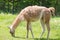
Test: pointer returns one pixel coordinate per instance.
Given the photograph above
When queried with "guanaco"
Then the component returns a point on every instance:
(32, 14)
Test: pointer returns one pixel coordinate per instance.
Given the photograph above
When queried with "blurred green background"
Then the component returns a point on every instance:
(15, 6)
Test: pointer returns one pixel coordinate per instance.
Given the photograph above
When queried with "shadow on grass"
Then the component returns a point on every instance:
(37, 38)
(19, 37)
(45, 39)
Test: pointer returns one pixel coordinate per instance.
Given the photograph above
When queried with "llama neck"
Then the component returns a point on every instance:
(15, 23)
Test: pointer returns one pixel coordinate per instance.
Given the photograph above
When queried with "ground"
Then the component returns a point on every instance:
(7, 19)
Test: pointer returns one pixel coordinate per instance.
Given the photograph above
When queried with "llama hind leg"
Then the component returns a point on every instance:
(48, 28)
(43, 28)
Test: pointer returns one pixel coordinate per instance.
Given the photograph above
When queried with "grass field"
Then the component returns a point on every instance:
(7, 19)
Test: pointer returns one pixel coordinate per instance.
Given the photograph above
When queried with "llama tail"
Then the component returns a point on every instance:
(52, 10)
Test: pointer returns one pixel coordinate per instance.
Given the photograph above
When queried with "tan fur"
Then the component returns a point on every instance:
(31, 14)
(52, 9)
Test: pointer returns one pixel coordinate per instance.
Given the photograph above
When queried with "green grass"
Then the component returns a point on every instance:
(7, 19)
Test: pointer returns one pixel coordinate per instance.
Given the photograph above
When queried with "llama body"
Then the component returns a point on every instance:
(32, 14)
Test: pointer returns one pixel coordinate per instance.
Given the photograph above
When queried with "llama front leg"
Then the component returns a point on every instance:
(29, 28)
